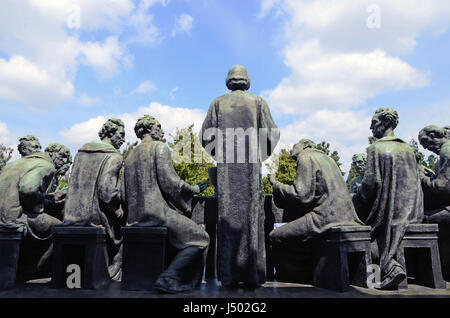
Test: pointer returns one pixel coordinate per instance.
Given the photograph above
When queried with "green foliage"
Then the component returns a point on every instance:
(190, 160)
(63, 183)
(287, 166)
(429, 164)
(325, 147)
(128, 147)
(351, 175)
(5, 155)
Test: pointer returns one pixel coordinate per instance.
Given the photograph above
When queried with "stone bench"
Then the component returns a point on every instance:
(9, 255)
(341, 257)
(144, 253)
(419, 255)
(83, 246)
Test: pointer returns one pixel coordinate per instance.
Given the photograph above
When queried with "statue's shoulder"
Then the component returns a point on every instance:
(445, 150)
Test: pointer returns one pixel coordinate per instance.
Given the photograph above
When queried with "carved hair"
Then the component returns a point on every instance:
(388, 116)
(238, 78)
(355, 157)
(438, 132)
(110, 127)
(145, 125)
(55, 148)
(27, 138)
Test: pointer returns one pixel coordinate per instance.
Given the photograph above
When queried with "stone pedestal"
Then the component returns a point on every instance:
(341, 258)
(143, 256)
(83, 246)
(419, 255)
(9, 255)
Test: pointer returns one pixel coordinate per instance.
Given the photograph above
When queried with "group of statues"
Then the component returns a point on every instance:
(144, 190)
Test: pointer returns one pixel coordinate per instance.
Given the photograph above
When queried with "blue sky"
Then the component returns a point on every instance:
(323, 66)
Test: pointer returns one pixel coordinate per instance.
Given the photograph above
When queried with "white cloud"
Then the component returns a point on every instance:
(346, 131)
(104, 58)
(4, 133)
(144, 88)
(183, 24)
(45, 46)
(337, 61)
(172, 93)
(86, 100)
(25, 82)
(338, 80)
(169, 117)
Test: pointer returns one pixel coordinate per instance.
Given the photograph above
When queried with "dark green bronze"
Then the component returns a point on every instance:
(390, 197)
(155, 196)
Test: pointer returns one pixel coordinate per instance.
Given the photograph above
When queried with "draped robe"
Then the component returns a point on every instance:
(241, 245)
(390, 197)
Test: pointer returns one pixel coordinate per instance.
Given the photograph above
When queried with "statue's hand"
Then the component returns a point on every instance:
(272, 179)
(119, 213)
(200, 187)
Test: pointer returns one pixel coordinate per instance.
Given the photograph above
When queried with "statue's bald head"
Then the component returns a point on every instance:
(237, 78)
(302, 145)
(432, 137)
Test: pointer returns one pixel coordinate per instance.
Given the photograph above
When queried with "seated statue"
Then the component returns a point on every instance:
(28, 145)
(320, 199)
(24, 203)
(390, 197)
(154, 195)
(359, 163)
(437, 190)
(93, 198)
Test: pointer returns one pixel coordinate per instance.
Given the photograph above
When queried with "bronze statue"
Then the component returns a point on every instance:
(390, 196)
(93, 197)
(24, 203)
(241, 250)
(318, 200)
(437, 190)
(359, 163)
(28, 145)
(154, 195)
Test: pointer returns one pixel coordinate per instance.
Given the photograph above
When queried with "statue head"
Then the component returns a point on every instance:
(61, 157)
(237, 78)
(300, 146)
(28, 145)
(149, 126)
(384, 121)
(113, 132)
(359, 162)
(432, 138)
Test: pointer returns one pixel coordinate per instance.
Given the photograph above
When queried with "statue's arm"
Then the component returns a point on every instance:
(178, 192)
(440, 186)
(209, 122)
(33, 187)
(366, 193)
(109, 184)
(303, 189)
(272, 132)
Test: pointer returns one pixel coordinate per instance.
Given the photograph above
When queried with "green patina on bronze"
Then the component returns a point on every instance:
(241, 252)
(390, 197)
(154, 195)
